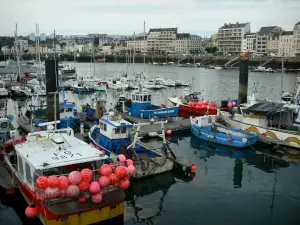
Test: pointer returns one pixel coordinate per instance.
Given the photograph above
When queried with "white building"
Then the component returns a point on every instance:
(262, 37)
(249, 43)
(43, 37)
(161, 40)
(139, 44)
(297, 39)
(107, 49)
(231, 37)
(273, 45)
(286, 44)
(31, 37)
(182, 44)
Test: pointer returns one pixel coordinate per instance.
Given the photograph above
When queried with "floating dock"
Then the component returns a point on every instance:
(175, 124)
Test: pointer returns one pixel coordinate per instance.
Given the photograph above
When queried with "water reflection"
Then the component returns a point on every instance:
(142, 195)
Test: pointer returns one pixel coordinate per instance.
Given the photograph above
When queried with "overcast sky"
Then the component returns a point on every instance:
(202, 17)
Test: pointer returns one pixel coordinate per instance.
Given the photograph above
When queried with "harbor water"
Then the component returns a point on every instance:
(259, 185)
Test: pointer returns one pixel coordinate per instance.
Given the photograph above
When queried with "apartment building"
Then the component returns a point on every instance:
(286, 44)
(161, 40)
(231, 37)
(138, 43)
(273, 45)
(249, 43)
(296, 34)
(182, 43)
(262, 37)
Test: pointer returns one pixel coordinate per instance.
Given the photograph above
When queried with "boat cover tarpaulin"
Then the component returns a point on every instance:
(274, 112)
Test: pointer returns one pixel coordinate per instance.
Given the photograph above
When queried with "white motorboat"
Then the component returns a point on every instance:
(117, 83)
(269, 70)
(153, 84)
(19, 91)
(259, 69)
(3, 90)
(182, 83)
(169, 83)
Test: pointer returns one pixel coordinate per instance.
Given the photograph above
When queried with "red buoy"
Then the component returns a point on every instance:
(31, 211)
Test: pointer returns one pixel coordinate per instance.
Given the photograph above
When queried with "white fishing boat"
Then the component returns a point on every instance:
(153, 84)
(117, 83)
(169, 83)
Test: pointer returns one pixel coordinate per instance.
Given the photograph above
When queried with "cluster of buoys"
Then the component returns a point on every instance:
(204, 105)
(81, 185)
(231, 104)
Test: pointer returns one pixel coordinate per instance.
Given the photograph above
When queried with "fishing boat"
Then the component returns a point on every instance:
(3, 90)
(67, 69)
(79, 87)
(118, 83)
(39, 157)
(113, 136)
(190, 104)
(270, 121)
(206, 128)
(153, 84)
(140, 105)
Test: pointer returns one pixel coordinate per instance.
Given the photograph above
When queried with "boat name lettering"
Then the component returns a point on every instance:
(67, 154)
(162, 112)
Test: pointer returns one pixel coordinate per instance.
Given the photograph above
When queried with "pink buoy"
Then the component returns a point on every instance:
(234, 103)
(94, 187)
(42, 182)
(63, 193)
(205, 102)
(63, 182)
(52, 192)
(229, 104)
(31, 211)
(203, 106)
(190, 103)
(121, 158)
(200, 103)
(73, 191)
(208, 107)
(129, 162)
(124, 184)
(104, 181)
(198, 106)
(97, 198)
(75, 177)
(86, 175)
(131, 170)
(169, 132)
(105, 170)
(84, 185)
(214, 104)
(113, 178)
(53, 182)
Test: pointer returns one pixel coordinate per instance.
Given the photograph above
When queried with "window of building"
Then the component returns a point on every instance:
(28, 172)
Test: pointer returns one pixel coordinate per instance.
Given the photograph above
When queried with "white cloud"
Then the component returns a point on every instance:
(125, 17)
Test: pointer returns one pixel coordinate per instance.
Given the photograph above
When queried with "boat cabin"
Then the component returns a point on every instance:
(203, 121)
(190, 96)
(114, 128)
(67, 109)
(47, 153)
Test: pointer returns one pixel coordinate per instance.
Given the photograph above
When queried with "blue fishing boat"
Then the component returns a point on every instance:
(206, 128)
(140, 106)
(112, 135)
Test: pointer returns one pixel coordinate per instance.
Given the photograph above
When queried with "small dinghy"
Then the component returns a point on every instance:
(206, 128)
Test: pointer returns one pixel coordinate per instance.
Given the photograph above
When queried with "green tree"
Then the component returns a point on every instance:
(212, 49)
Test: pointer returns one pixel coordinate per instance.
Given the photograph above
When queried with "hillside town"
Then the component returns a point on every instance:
(230, 40)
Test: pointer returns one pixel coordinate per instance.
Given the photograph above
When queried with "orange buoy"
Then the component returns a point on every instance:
(124, 184)
(104, 181)
(84, 185)
(131, 169)
(97, 198)
(105, 170)
(42, 182)
(63, 182)
(73, 191)
(193, 168)
(121, 158)
(94, 187)
(113, 178)
(53, 182)
(121, 171)
(31, 211)
(86, 175)
(75, 177)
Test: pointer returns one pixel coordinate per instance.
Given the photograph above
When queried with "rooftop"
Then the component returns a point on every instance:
(233, 25)
(266, 30)
(116, 122)
(298, 23)
(284, 33)
(183, 35)
(162, 29)
(49, 150)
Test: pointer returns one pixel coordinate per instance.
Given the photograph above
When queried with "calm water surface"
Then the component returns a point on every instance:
(230, 187)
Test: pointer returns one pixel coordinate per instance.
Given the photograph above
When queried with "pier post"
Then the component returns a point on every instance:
(243, 80)
(51, 67)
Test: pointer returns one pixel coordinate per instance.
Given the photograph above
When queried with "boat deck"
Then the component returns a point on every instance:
(6, 180)
(175, 125)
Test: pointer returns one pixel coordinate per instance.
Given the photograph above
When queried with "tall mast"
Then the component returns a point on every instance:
(133, 59)
(144, 46)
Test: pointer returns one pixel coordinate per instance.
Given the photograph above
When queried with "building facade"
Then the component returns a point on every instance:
(286, 44)
(31, 37)
(296, 34)
(161, 40)
(182, 44)
(262, 37)
(138, 44)
(249, 43)
(273, 45)
(231, 38)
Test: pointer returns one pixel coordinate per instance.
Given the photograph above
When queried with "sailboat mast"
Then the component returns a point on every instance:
(133, 59)
(17, 52)
(144, 45)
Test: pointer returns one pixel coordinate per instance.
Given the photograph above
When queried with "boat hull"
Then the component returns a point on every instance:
(159, 112)
(18, 93)
(223, 138)
(276, 136)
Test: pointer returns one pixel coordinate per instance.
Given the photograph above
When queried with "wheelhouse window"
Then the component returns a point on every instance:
(69, 110)
(62, 110)
(145, 98)
(105, 127)
(149, 98)
(117, 130)
(123, 130)
(20, 165)
(28, 172)
(101, 126)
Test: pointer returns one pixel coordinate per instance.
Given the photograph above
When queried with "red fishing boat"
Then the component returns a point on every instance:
(191, 105)
(46, 168)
